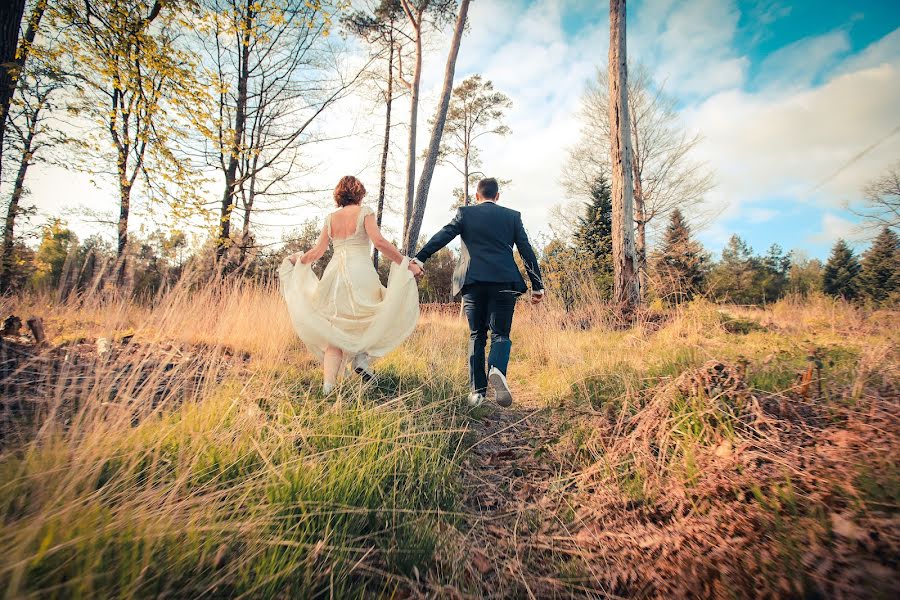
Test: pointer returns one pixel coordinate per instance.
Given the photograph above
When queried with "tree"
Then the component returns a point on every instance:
(139, 81)
(382, 30)
(30, 136)
(417, 214)
(775, 269)
(271, 82)
(437, 284)
(681, 264)
(841, 275)
(805, 276)
(879, 276)
(11, 12)
(665, 176)
(882, 203)
(475, 110)
(733, 279)
(57, 240)
(417, 15)
(626, 284)
(593, 238)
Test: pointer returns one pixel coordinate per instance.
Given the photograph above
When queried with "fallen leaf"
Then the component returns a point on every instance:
(481, 562)
(846, 528)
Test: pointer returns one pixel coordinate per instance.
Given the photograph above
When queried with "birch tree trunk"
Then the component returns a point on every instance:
(413, 122)
(418, 213)
(385, 149)
(626, 283)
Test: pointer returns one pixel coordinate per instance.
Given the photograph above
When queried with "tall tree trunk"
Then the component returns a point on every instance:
(466, 177)
(415, 223)
(413, 127)
(124, 212)
(385, 149)
(6, 262)
(240, 123)
(11, 12)
(640, 224)
(626, 283)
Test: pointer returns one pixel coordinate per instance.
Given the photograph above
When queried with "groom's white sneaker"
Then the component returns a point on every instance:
(476, 399)
(497, 380)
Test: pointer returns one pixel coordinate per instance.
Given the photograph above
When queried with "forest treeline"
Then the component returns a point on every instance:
(205, 115)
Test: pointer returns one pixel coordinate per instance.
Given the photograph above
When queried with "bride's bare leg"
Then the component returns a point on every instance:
(332, 363)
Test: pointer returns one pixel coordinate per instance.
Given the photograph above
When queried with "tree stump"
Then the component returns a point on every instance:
(36, 326)
(11, 325)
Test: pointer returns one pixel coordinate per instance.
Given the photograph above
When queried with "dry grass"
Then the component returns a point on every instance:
(199, 460)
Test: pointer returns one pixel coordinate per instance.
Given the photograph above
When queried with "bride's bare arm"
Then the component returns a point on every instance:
(316, 252)
(385, 247)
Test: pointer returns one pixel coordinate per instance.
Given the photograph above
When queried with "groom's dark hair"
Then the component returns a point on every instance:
(488, 188)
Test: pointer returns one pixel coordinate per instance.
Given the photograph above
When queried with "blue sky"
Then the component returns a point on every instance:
(784, 93)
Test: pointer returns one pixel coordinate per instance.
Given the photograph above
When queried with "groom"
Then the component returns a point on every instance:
(490, 282)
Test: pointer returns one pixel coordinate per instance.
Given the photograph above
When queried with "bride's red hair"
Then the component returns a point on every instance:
(349, 190)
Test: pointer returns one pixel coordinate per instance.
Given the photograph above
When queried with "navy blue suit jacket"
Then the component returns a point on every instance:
(488, 233)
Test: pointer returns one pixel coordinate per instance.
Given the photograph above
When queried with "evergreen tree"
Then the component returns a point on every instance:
(879, 277)
(773, 279)
(734, 278)
(841, 276)
(593, 237)
(682, 264)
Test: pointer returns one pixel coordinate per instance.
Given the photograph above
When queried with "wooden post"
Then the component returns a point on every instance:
(626, 283)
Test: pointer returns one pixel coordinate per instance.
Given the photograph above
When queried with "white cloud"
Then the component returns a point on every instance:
(788, 143)
(799, 63)
(690, 45)
(755, 214)
(834, 227)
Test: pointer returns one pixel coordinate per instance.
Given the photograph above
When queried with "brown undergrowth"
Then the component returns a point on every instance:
(183, 450)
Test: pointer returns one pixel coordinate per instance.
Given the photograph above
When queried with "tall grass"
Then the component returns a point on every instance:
(198, 459)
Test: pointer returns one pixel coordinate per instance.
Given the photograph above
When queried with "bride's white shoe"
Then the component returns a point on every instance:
(361, 366)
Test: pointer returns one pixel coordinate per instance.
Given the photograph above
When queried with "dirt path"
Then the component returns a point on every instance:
(512, 507)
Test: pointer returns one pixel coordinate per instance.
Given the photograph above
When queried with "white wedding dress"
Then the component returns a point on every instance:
(349, 308)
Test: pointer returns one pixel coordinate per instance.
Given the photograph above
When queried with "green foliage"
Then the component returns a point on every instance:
(57, 240)
(593, 237)
(805, 275)
(682, 264)
(437, 283)
(879, 276)
(841, 275)
(745, 278)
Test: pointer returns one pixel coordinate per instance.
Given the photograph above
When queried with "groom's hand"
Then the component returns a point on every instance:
(416, 270)
(537, 296)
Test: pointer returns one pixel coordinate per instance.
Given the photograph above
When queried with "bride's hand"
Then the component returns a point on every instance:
(416, 270)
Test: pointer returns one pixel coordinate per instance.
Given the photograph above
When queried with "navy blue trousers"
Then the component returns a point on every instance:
(488, 307)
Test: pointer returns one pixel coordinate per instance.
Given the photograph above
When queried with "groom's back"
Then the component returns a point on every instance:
(490, 225)
(488, 235)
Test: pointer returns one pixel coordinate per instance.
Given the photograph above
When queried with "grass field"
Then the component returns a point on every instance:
(185, 451)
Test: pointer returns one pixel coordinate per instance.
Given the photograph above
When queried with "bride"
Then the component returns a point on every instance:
(348, 316)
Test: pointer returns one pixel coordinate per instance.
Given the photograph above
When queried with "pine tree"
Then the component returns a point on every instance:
(593, 238)
(682, 264)
(841, 276)
(734, 278)
(879, 277)
(776, 266)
